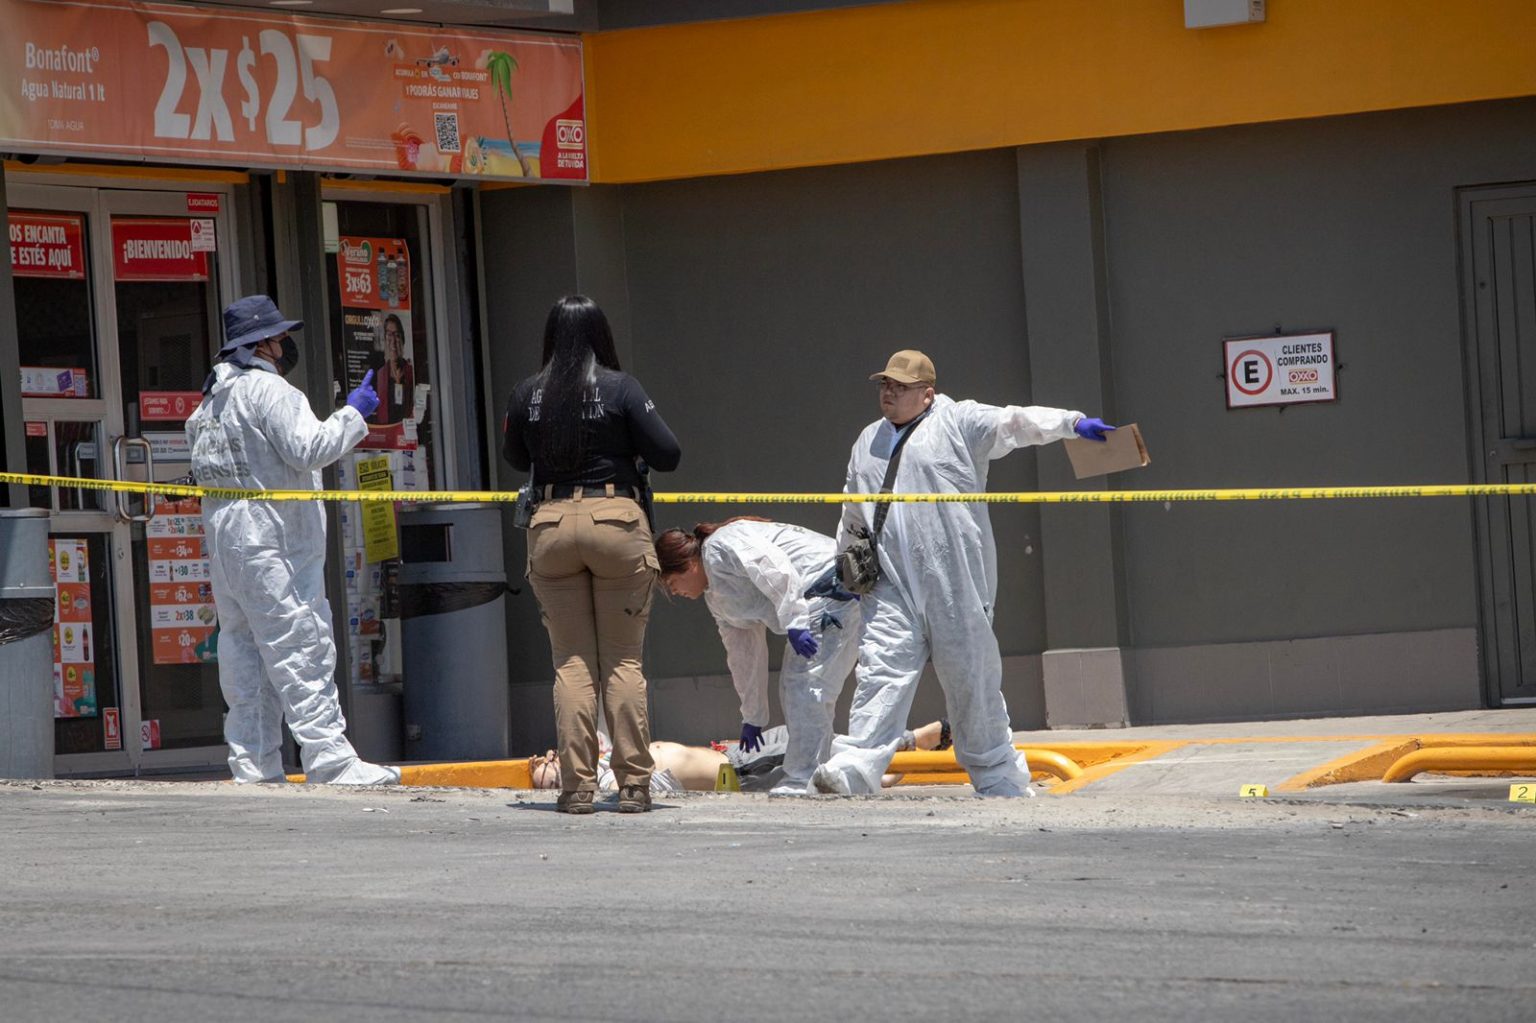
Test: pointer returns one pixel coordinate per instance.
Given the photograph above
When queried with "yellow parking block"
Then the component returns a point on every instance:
(1518, 760)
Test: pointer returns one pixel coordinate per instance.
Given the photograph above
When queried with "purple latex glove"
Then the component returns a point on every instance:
(803, 642)
(1089, 428)
(751, 738)
(363, 398)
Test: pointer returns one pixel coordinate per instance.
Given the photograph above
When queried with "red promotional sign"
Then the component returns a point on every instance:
(167, 406)
(264, 88)
(202, 202)
(113, 727)
(156, 249)
(48, 245)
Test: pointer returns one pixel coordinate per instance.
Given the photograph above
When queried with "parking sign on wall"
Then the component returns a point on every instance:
(1287, 369)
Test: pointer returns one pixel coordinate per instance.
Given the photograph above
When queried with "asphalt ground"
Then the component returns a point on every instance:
(190, 901)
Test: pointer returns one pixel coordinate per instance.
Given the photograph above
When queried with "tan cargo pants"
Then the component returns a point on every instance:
(593, 569)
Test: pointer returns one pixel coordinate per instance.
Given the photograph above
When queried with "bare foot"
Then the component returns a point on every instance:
(928, 735)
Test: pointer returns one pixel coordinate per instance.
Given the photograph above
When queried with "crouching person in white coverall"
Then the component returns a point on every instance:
(754, 575)
(938, 577)
(255, 431)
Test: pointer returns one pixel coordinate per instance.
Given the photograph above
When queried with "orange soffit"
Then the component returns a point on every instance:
(179, 84)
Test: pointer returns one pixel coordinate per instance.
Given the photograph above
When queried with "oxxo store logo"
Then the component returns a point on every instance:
(1287, 369)
(570, 134)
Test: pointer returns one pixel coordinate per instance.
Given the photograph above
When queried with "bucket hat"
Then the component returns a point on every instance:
(251, 320)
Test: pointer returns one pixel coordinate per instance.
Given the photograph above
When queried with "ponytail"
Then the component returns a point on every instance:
(676, 549)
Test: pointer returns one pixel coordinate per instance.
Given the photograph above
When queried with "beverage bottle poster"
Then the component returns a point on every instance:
(375, 283)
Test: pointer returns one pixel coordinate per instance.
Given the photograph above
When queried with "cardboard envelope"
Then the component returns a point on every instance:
(1123, 450)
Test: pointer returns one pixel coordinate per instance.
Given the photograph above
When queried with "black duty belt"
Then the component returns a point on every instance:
(565, 491)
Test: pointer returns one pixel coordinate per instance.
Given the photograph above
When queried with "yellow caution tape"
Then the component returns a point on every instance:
(177, 490)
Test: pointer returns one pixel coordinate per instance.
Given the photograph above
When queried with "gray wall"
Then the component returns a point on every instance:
(1348, 224)
(753, 307)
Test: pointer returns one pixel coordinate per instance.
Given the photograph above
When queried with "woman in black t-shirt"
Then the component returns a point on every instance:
(583, 426)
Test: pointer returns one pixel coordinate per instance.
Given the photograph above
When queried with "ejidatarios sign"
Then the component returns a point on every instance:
(1286, 369)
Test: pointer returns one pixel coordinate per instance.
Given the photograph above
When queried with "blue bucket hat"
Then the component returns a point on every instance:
(251, 320)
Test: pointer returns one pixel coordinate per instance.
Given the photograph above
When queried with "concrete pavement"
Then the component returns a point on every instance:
(1216, 759)
(1151, 893)
(182, 901)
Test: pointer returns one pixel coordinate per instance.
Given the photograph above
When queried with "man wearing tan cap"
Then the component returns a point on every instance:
(938, 576)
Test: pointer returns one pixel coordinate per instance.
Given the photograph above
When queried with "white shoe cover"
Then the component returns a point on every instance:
(1007, 790)
(360, 772)
(830, 782)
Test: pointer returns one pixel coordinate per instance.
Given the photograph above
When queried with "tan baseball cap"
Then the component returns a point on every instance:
(909, 366)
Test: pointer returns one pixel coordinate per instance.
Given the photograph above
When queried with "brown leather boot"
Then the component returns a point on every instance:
(634, 799)
(574, 802)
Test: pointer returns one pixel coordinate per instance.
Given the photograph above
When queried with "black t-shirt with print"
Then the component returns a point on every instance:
(621, 423)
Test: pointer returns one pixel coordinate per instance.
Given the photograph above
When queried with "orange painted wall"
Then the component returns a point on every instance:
(935, 76)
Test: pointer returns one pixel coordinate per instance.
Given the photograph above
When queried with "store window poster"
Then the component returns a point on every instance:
(375, 282)
(184, 625)
(74, 653)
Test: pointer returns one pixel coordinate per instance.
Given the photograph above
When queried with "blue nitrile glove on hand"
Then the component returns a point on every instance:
(803, 642)
(751, 738)
(363, 398)
(1089, 428)
(829, 585)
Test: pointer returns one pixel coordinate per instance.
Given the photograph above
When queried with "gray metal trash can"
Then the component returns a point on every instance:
(453, 632)
(26, 645)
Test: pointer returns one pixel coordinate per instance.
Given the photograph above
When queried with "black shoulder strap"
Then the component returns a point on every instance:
(890, 470)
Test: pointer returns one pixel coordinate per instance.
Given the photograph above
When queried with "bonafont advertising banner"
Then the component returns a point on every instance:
(254, 88)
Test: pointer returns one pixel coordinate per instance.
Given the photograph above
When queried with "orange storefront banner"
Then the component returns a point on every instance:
(184, 84)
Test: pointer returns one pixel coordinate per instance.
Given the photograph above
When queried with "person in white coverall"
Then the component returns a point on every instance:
(754, 576)
(255, 431)
(938, 577)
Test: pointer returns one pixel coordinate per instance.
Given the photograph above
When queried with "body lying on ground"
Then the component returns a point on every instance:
(681, 768)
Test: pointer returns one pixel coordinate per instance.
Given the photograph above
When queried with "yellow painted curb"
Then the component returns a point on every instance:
(928, 765)
(1134, 753)
(474, 774)
(1371, 763)
(1357, 765)
(937, 778)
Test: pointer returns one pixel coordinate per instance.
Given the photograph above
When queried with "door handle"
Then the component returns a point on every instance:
(119, 446)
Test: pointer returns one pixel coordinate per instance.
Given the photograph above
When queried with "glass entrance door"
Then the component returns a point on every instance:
(118, 295)
(165, 307)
